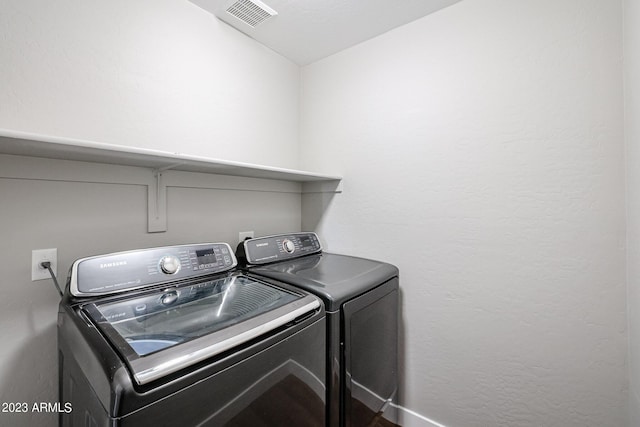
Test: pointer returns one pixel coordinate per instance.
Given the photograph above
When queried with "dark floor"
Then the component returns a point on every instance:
(282, 406)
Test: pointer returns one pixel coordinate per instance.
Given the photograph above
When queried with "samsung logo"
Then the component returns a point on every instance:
(262, 244)
(113, 264)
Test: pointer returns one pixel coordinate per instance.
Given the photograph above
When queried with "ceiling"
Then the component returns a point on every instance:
(308, 30)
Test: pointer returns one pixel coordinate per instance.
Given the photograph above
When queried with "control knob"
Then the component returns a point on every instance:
(288, 246)
(169, 264)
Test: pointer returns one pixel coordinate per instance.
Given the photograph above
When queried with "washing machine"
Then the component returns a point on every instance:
(361, 303)
(175, 336)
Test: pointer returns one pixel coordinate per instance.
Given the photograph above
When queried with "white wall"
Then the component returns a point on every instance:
(482, 152)
(632, 138)
(160, 74)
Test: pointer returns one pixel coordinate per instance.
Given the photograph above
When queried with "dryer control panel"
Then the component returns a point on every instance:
(264, 250)
(123, 271)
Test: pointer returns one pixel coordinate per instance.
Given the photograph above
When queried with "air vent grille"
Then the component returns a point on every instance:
(251, 12)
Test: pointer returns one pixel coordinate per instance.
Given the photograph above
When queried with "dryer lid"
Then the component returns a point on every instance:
(335, 278)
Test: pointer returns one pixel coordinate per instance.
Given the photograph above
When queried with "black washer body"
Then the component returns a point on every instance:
(273, 377)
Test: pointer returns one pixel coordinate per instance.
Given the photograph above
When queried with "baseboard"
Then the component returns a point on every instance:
(408, 418)
(397, 414)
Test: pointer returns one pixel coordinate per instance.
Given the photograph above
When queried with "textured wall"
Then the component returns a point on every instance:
(632, 137)
(482, 152)
(160, 74)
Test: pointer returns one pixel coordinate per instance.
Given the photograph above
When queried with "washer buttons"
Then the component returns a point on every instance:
(169, 264)
(288, 246)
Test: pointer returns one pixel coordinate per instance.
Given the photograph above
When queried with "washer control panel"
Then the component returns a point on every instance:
(264, 250)
(122, 271)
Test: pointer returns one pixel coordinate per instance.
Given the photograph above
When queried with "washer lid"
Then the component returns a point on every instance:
(161, 332)
(334, 278)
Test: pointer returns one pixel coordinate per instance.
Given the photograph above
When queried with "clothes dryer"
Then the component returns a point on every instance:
(361, 303)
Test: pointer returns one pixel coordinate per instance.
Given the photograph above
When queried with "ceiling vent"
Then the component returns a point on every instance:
(251, 12)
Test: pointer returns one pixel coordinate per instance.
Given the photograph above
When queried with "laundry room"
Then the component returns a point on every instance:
(480, 159)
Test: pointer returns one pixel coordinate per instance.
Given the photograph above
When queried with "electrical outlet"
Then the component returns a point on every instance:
(243, 235)
(41, 255)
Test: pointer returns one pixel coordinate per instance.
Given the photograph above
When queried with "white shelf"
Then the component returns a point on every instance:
(35, 145)
(158, 162)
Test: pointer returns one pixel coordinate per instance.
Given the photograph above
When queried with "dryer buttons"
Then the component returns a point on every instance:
(288, 246)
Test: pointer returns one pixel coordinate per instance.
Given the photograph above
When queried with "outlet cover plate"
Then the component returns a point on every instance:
(41, 255)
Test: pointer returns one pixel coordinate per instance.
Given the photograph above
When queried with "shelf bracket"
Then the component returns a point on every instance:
(157, 203)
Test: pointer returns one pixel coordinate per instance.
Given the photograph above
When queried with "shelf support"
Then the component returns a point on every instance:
(157, 203)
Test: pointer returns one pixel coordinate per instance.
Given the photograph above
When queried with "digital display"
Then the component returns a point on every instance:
(206, 256)
(306, 241)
